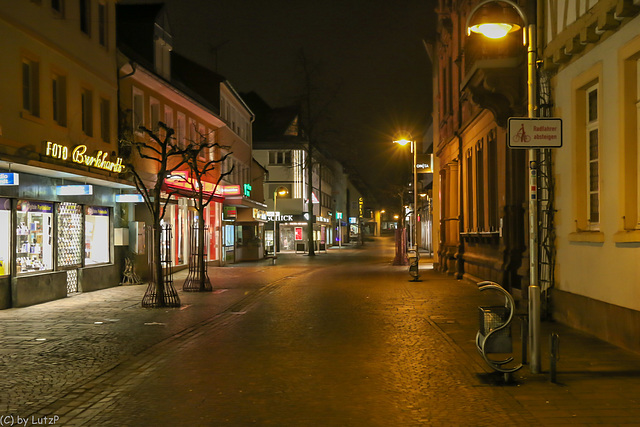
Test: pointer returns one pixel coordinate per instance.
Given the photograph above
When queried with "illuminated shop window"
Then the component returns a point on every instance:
(5, 224)
(96, 235)
(34, 235)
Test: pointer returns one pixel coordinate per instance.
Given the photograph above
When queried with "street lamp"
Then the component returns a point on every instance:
(493, 20)
(413, 266)
(280, 191)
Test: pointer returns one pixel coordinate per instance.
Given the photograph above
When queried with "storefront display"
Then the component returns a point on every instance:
(5, 226)
(34, 236)
(96, 235)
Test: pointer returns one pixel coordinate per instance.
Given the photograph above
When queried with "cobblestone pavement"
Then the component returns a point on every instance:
(339, 340)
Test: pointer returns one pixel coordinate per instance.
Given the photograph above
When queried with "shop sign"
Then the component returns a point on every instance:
(338, 215)
(25, 206)
(298, 233)
(277, 216)
(259, 214)
(322, 219)
(97, 211)
(424, 163)
(360, 206)
(129, 198)
(180, 179)
(353, 220)
(9, 178)
(231, 190)
(230, 212)
(78, 155)
(74, 190)
(246, 190)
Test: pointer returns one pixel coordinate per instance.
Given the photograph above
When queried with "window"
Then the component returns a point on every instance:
(85, 16)
(193, 138)
(180, 134)
(102, 24)
(5, 230)
(96, 235)
(138, 110)
(480, 188)
(105, 120)
(469, 218)
(593, 164)
(202, 139)
(162, 55)
(31, 87)
(168, 120)
(34, 236)
(58, 7)
(280, 157)
(59, 99)
(492, 187)
(87, 112)
(211, 136)
(154, 111)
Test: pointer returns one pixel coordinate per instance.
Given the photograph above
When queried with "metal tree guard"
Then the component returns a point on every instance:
(197, 281)
(171, 298)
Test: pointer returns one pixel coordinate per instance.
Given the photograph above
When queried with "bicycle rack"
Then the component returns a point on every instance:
(494, 335)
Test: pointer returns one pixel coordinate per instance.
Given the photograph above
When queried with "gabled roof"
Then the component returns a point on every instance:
(135, 26)
(200, 81)
(273, 126)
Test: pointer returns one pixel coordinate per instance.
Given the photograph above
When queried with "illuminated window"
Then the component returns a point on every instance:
(59, 99)
(31, 87)
(86, 100)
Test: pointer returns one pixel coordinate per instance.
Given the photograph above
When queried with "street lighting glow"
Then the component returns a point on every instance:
(402, 141)
(493, 30)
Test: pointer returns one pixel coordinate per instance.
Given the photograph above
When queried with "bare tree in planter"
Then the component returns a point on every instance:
(200, 168)
(166, 156)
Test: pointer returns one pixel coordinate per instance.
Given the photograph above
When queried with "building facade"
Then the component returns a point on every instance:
(59, 167)
(592, 53)
(481, 183)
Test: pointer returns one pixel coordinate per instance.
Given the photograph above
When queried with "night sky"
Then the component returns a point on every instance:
(369, 65)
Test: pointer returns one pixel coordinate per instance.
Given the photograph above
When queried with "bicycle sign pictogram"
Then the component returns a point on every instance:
(534, 132)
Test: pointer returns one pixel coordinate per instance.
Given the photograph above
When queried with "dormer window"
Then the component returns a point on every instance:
(162, 52)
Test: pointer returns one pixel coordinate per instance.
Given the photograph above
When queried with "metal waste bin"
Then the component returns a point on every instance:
(491, 318)
(414, 257)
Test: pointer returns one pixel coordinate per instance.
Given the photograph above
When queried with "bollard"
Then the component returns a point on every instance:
(524, 337)
(554, 350)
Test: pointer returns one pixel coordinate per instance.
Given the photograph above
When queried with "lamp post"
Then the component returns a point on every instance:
(282, 191)
(498, 26)
(413, 266)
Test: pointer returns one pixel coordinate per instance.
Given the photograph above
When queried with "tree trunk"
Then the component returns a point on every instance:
(201, 243)
(157, 267)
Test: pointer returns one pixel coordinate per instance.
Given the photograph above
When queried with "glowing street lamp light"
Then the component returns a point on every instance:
(494, 20)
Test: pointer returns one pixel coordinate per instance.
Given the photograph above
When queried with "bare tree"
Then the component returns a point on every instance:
(163, 155)
(201, 168)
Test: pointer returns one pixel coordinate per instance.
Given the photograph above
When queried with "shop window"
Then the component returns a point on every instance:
(31, 87)
(96, 235)
(69, 234)
(5, 226)
(34, 246)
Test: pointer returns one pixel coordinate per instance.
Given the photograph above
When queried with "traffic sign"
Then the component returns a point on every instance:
(526, 132)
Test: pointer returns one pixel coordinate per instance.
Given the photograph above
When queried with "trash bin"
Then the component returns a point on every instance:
(491, 318)
(413, 257)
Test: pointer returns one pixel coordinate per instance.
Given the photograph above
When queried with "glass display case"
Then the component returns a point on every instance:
(34, 236)
(96, 235)
(5, 227)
